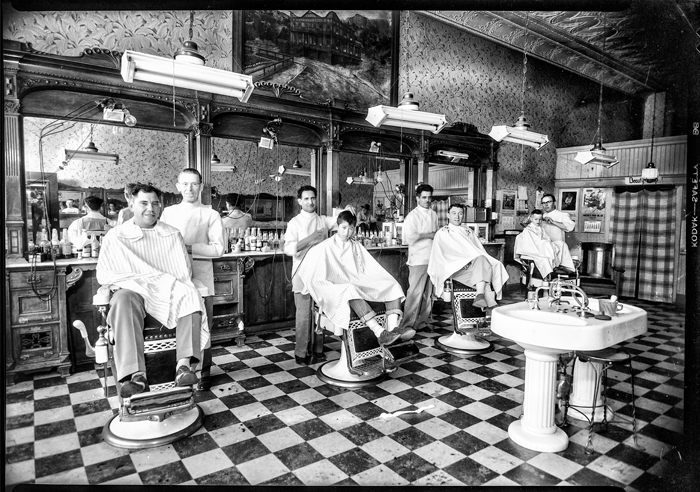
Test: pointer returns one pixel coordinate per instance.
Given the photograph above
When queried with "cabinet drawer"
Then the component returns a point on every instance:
(226, 287)
(224, 267)
(33, 344)
(25, 280)
(27, 307)
(225, 322)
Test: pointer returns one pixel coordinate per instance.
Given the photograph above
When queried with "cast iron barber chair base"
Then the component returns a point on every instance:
(144, 434)
(363, 362)
(164, 414)
(467, 320)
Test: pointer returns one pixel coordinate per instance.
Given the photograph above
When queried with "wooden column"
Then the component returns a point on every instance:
(314, 164)
(200, 138)
(329, 182)
(15, 201)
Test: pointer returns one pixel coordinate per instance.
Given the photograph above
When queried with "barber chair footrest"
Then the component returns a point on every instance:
(157, 406)
(148, 434)
(467, 344)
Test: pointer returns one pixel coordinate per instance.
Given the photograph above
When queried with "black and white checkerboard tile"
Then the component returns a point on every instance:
(270, 421)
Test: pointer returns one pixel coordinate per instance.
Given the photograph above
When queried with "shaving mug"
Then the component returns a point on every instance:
(609, 308)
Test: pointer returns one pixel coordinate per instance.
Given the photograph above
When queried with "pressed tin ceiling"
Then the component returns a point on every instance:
(638, 50)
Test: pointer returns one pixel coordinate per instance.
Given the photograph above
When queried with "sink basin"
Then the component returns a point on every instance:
(544, 334)
(566, 331)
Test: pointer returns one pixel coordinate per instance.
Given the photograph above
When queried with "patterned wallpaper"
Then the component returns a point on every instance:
(476, 81)
(155, 32)
(144, 155)
(450, 71)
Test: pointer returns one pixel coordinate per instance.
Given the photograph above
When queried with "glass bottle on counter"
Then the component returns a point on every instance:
(246, 240)
(31, 247)
(44, 243)
(258, 241)
(87, 248)
(55, 245)
(276, 241)
(95, 246)
(66, 245)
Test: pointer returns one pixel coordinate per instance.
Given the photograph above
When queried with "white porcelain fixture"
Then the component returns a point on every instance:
(544, 334)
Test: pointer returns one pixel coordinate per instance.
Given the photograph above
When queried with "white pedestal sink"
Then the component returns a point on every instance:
(544, 334)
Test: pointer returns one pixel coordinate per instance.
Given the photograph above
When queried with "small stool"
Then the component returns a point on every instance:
(469, 321)
(606, 358)
(363, 361)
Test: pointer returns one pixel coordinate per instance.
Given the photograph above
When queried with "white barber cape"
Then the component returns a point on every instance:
(564, 255)
(536, 245)
(453, 248)
(336, 271)
(153, 263)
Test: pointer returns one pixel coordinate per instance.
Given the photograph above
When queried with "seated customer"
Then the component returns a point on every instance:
(340, 274)
(536, 245)
(458, 253)
(92, 222)
(146, 262)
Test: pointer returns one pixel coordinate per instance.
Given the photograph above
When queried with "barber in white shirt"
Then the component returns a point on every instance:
(556, 224)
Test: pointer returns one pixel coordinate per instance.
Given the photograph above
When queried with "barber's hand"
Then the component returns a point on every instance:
(319, 235)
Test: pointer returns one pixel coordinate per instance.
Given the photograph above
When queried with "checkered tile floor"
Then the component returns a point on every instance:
(271, 422)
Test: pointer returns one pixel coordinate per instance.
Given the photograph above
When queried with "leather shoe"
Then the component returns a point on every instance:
(480, 301)
(138, 384)
(185, 377)
(407, 333)
(388, 337)
(204, 382)
(302, 361)
(320, 357)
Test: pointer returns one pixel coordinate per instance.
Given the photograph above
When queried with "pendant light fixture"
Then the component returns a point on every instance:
(297, 168)
(520, 132)
(406, 115)
(216, 164)
(650, 174)
(597, 154)
(186, 71)
(90, 153)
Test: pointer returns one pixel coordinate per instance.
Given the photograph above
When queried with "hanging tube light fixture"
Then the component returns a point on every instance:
(520, 133)
(406, 115)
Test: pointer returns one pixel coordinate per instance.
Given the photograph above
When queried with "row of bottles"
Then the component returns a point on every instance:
(63, 248)
(253, 239)
(368, 239)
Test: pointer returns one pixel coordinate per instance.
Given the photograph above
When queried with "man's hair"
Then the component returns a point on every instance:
(94, 202)
(129, 188)
(423, 187)
(455, 205)
(191, 170)
(146, 188)
(347, 216)
(306, 188)
(537, 211)
(549, 194)
(365, 206)
(233, 199)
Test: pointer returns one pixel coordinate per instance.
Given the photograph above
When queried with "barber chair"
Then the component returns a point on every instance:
(533, 277)
(164, 414)
(469, 322)
(363, 361)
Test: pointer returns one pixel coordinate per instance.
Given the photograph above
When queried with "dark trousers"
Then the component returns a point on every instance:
(303, 328)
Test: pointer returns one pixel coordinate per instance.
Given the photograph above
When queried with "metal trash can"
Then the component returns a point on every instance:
(597, 259)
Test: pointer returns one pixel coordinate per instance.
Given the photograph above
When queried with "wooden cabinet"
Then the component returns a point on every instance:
(268, 294)
(36, 335)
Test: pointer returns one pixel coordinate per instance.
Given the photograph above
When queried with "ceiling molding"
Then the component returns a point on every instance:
(556, 40)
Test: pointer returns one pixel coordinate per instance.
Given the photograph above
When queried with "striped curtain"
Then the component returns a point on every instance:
(644, 233)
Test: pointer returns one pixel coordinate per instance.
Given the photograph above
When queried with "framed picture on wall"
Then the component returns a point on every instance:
(568, 201)
(481, 229)
(352, 53)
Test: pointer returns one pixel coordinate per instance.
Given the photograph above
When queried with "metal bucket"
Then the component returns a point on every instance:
(597, 259)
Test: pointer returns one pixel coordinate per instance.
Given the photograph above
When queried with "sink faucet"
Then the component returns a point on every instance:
(555, 289)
